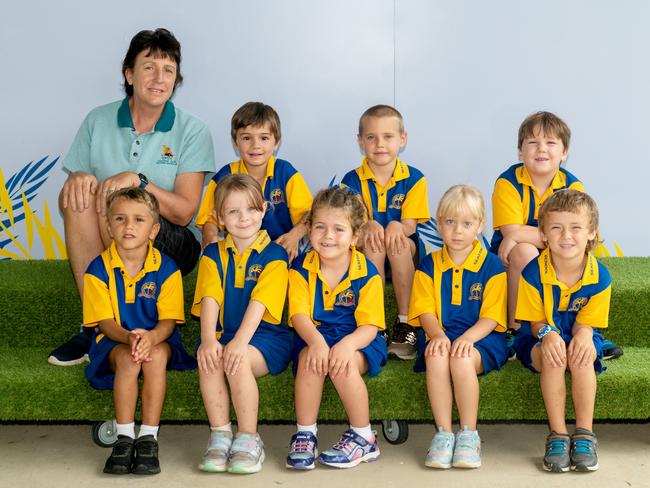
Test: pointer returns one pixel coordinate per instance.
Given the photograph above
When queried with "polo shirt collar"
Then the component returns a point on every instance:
(523, 177)
(270, 167)
(472, 263)
(358, 266)
(549, 276)
(151, 262)
(258, 245)
(164, 124)
(401, 171)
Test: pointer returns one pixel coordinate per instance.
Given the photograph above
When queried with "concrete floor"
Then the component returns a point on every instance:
(65, 455)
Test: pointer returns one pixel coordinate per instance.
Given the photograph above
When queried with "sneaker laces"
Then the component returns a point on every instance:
(346, 443)
(147, 448)
(301, 443)
(464, 440)
(122, 447)
(583, 446)
(403, 333)
(556, 446)
(440, 442)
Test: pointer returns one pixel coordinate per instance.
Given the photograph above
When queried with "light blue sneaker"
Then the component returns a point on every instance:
(246, 454)
(467, 451)
(441, 450)
(350, 450)
(215, 459)
(302, 451)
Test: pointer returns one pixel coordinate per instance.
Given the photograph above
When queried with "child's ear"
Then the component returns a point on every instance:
(403, 138)
(481, 226)
(155, 228)
(107, 223)
(542, 236)
(264, 206)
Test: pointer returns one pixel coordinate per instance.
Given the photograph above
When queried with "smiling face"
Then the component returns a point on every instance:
(152, 78)
(567, 234)
(331, 233)
(381, 140)
(131, 224)
(241, 217)
(256, 144)
(542, 153)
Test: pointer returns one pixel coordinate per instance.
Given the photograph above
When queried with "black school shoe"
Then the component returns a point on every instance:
(146, 456)
(404, 339)
(611, 350)
(72, 352)
(121, 458)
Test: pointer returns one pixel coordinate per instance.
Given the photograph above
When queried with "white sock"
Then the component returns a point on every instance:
(126, 429)
(148, 430)
(365, 432)
(225, 428)
(313, 428)
(402, 318)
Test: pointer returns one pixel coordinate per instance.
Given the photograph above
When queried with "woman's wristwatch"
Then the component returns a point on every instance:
(144, 181)
(546, 330)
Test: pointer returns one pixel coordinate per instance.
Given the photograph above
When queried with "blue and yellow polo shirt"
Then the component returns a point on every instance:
(107, 144)
(357, 300)
(403, 197)
(234, 279)
(460, 295)
(284, 187)
(543, 298)
(139, 302)
(515, 201)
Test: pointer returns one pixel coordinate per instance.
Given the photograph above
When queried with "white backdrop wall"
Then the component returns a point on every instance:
(463, 73)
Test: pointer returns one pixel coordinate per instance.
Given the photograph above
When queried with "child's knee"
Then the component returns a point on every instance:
(522, 254)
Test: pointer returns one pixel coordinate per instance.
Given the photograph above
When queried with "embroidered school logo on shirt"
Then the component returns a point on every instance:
(277, 196)
(345, 298)
(148, 290)
(254, 272)
(397, 201)
(578, 303)
(475, 291)
(166, 156)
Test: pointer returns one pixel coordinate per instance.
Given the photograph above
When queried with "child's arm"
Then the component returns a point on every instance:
(462, 346)
(342, 353)
(397, 235)
(209, 233)
(147, 339)
(514, 234)
(439, 344)
(316, 357)
(209, 353)
(237, 348)
(553, 347)
(581, 351)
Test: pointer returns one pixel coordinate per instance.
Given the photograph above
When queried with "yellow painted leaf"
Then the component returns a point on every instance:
(6, 254)
(29, 222)
(619, 253)
(5, 200)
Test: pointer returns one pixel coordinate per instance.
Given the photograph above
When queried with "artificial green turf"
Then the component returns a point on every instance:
(40, 309)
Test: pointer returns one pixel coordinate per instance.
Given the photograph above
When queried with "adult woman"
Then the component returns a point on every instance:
(144, 141)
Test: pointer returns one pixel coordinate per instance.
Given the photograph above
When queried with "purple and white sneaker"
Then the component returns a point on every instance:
(302, 451)
(350, 451)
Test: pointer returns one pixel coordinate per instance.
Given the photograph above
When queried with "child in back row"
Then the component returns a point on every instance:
(240, 293)
(255, 131)
(563, 303)
(336, 305)
(395, 196)
(459, 299)
(133, 296)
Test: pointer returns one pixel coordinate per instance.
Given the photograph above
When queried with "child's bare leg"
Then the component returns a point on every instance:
(464, 373)
(378, 259)
(552, 382)
(519, 257)
(216, 399)
(583, 392)
(439, 389)
(353, 392)
(308, 393)
(403, 269)
(125, 386)
(154, 383)
(244, 391)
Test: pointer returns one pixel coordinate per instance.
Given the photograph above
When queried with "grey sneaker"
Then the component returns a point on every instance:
(467, 451)
(441, 450)
(215, 459)
(246, 454)
(404, 339)
(556, 458)
(583, 453)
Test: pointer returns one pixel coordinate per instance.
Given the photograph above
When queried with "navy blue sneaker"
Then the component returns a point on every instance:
(611, 350)
(303, 451)
(73, 352)
(510, 343)
(350, 450)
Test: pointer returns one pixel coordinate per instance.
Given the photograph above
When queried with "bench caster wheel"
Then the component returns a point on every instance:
(395, 431)
(104, 433)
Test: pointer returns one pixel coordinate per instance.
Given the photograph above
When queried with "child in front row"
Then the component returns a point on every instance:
(563, 303)
(133, 296)
(240, 293)
(459, 299)
(255, 131)
(395, 196)
(336, 305)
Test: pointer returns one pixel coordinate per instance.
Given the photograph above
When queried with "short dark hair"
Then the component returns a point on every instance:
(160, 43)
(549, 123)
(256, 114)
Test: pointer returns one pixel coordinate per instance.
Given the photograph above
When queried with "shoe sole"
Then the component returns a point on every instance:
(304, 467)
(212, 468)
(73, 362)
(368, 458)
(145, 471)
(395, 353)
(256, 468)
(437, 465)
(555, 469)
(466, 464)
(581, 468)
(120, 471)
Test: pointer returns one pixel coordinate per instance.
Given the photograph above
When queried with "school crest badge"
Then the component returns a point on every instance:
(148, 290)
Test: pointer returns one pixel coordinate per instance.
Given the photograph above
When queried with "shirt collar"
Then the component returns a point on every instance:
(549, 276)
(258, 245)
(401, 171)
(358, 266)
(151, 262)
(523, 177)
(164, 124)
(473, 262)
(270, 167)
